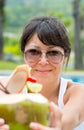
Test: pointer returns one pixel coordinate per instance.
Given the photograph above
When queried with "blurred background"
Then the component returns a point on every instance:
(14, 14)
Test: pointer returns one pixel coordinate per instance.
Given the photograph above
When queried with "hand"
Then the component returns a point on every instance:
(3, 82)
(3, 126)
(55, 123)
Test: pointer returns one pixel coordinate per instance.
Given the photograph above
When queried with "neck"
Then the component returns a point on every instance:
(51, 90)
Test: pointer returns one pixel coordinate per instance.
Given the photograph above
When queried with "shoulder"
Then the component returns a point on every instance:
(72, 85)
(74, 89)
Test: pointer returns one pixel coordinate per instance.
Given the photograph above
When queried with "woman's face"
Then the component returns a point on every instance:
(43, 68)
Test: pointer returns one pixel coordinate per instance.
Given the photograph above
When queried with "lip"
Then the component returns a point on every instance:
(43, 71)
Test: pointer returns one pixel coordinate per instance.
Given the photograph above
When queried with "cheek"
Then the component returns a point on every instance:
(58, 68)
(30, 65)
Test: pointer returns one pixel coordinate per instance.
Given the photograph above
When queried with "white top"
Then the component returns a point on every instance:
(63, 87)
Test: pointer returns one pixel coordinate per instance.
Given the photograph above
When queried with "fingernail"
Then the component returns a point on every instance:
(6, 127)
(2, 120)
(33, 125)
(52, 104)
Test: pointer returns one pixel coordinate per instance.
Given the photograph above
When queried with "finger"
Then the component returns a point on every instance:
(4, 127)
(55, 116)
(1, 121)
(37, 126)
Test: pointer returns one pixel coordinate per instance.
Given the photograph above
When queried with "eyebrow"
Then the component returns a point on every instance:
(39, 48)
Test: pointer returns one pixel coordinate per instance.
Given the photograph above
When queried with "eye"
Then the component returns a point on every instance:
(33, 52)
(54, 53)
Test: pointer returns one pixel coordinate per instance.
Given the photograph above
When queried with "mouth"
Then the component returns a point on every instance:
(42, 71)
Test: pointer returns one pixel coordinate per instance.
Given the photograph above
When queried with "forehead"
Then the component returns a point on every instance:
(35, 42)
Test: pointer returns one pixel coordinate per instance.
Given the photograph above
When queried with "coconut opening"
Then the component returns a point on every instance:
(15, 98)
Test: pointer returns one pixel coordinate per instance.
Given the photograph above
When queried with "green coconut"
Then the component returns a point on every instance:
(19, 110)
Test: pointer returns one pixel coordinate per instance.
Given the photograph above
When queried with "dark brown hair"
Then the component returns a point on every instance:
(49, 30)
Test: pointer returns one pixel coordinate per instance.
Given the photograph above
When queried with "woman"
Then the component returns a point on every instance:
(46, 48)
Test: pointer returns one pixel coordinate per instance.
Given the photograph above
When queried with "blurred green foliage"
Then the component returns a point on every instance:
(11, 45)
(8, 65)
(19, 12)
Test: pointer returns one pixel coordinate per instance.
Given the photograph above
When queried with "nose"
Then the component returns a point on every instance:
(43, 60)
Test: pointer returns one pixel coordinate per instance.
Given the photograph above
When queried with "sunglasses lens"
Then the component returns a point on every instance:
(52, 56)
(55, 56)
(32, 55)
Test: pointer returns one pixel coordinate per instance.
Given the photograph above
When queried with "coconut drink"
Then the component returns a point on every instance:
(18, 109)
